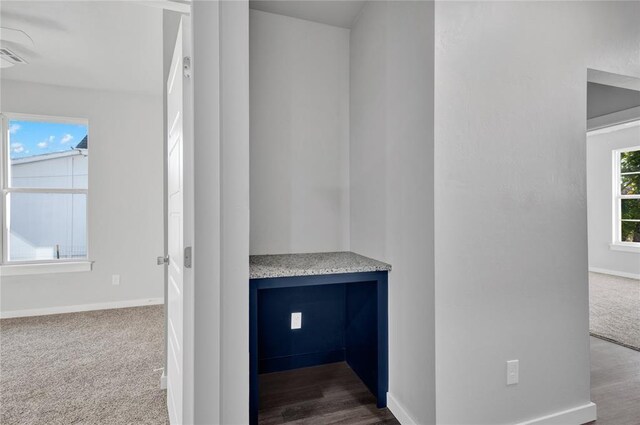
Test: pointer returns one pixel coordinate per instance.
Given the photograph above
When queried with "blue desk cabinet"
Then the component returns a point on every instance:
(344, 318)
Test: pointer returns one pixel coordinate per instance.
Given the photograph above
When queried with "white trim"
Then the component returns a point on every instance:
(629, 148)
(6, 190)
(618, 197)
(163, 380)
(399, 411)
(627, 247)
(610, 122)
(45, 268)
(171, 5)
(576, 416)
(79, 308)
(4, 126)
(615, 273)
(45, 191)
(18, 116)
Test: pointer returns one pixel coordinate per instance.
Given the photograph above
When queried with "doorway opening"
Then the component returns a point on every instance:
(81, 233)
(613, 206)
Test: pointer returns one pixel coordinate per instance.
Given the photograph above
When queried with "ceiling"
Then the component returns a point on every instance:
(107, 45)
(331, 12)
(603, 99)
(611, 79)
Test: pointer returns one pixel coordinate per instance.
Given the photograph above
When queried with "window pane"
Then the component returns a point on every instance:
(630, 184)
(631, 209)
(630, 161)
(48, 155)
(630, 231)
(47, 226)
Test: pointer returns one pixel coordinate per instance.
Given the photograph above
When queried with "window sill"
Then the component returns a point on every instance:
(45, 268)
(625, 247)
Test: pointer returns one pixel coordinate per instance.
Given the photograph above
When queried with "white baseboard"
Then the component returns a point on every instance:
(614, 273)
(399, 411)
(576, 416)
(163, 381)
(79, 308)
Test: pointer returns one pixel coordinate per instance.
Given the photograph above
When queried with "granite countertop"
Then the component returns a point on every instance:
(286, 265)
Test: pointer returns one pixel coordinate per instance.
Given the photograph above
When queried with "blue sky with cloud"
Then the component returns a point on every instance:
(30, 138)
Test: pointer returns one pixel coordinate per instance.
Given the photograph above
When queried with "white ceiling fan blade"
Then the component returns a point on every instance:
(5, 63)
(9, 55)
(16, 36)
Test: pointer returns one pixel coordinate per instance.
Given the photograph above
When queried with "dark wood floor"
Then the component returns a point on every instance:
(322, 395)
(333, 394)
(615, 383)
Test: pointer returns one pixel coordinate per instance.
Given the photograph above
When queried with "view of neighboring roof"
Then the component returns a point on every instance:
(47, 156)
(83, 143)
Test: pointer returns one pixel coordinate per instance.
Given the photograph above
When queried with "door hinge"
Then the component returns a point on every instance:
(186, 66)
(163, 260)
(187, 257)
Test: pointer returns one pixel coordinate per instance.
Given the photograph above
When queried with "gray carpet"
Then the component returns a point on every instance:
(615, 309)
(96, 367)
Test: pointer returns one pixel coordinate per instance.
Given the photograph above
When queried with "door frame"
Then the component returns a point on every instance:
(219, 143)
(184, 10)
(188, 225)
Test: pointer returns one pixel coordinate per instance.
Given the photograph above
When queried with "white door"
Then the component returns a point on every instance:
(179, 343)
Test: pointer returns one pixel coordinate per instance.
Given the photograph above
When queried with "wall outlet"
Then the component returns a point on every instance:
(513, 372)
(296, 320)
(115, 279)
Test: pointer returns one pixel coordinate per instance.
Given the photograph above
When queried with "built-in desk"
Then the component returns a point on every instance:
(343, 300)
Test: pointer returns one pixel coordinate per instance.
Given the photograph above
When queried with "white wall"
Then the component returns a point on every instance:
(125, 197)
(221, 246)
(511, 210)
(600, 145)
(207, 301)
(391, 167)
(234, 202)
(299, 83)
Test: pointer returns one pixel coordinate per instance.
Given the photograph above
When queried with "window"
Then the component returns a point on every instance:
(44, 189)
(627, 196)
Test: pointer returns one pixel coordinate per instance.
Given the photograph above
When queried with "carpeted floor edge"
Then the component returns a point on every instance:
(614, 341)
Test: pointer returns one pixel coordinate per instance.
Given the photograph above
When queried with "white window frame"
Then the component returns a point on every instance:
(617, 242)
(26, 267)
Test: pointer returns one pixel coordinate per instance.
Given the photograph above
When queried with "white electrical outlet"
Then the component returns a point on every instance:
(115, 279)
(513, 372)
(296, 320)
